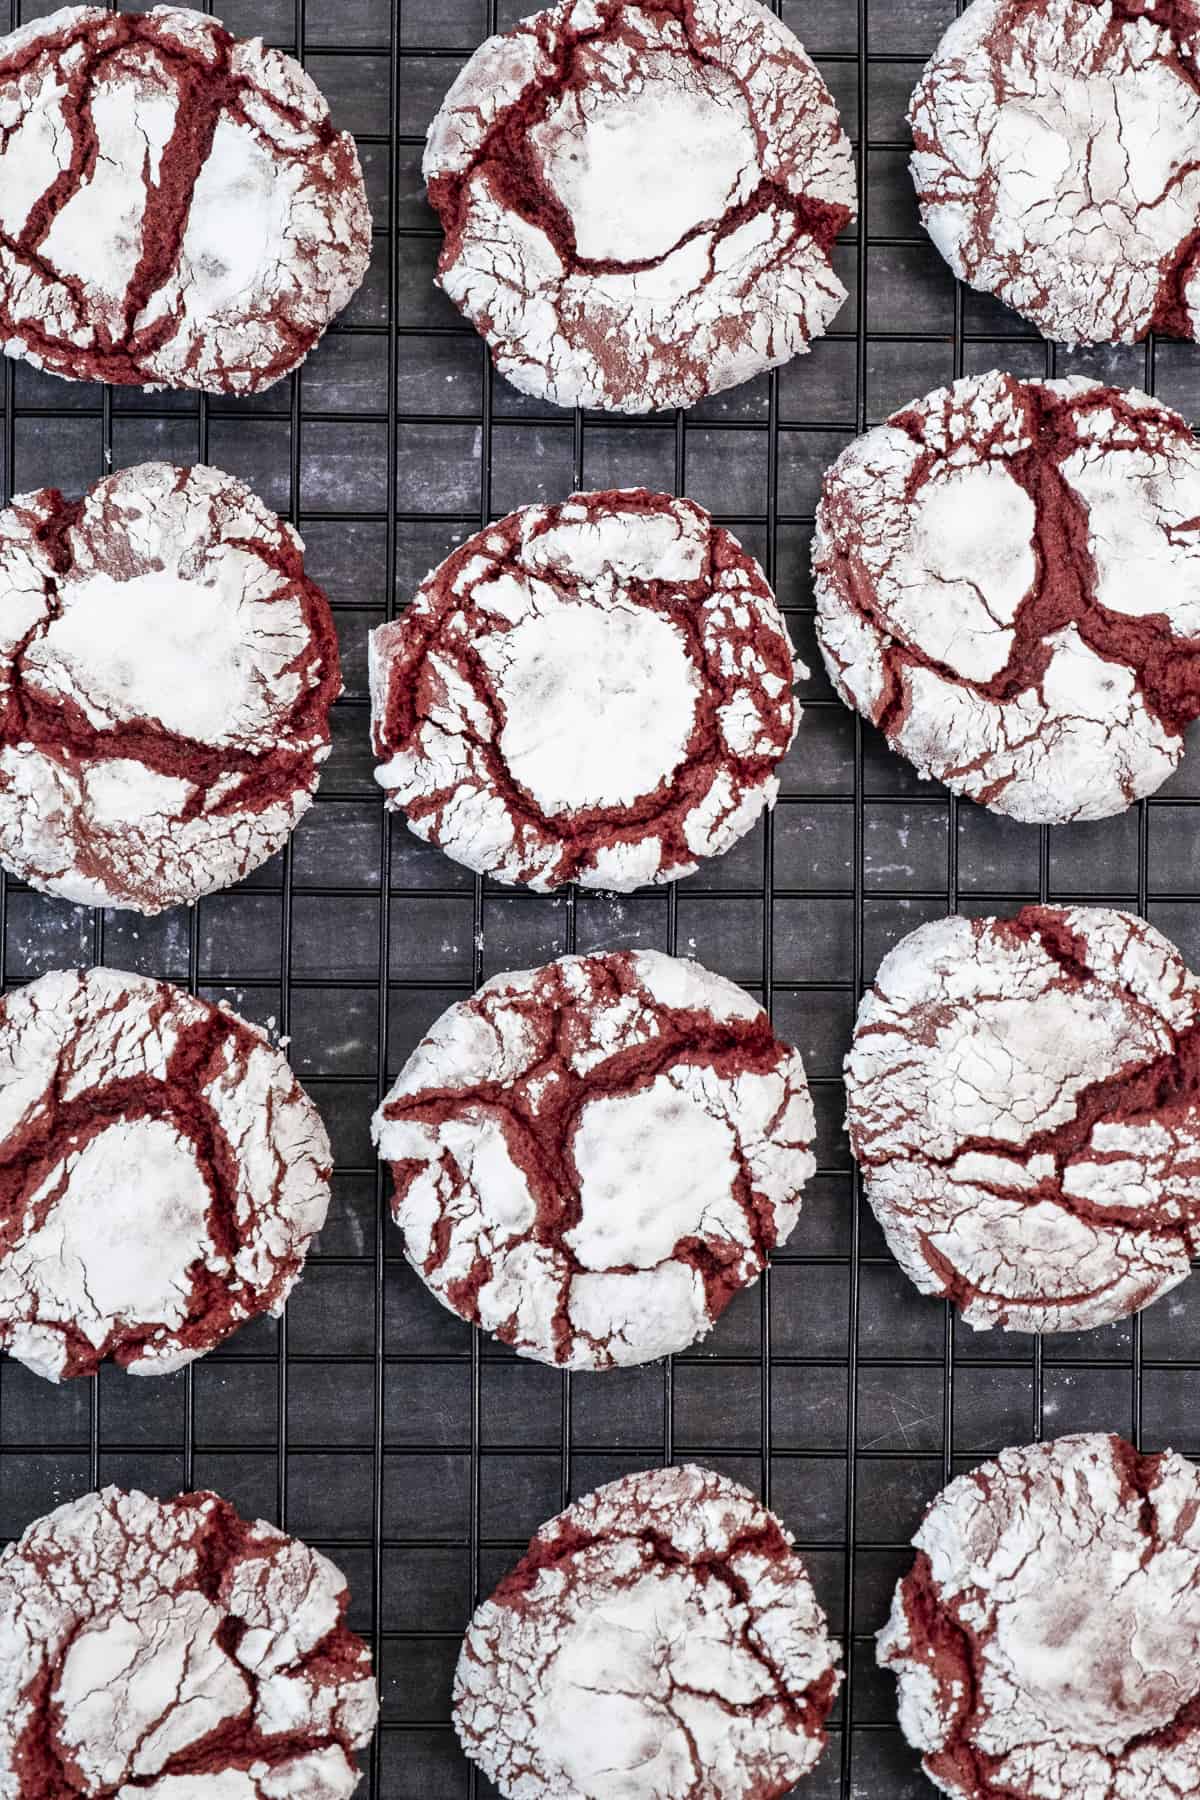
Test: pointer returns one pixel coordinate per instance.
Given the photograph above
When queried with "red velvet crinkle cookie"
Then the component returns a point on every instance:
(1008, 586)
(599, 691)
(1055, 162)
(1047, 1640)
(640, 200)
(176, 208)
(1023, 1097)
(659, 1640)
(162, 1174)
(166, 674)
(169, 1649)
(591, 1158)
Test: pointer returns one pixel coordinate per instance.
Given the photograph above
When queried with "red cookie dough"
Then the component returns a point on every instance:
(592, 1158)
(640, 199)
(1023, 1097)
(166, 674)
(176, 208)
(1008, 586)
(1047, 1640)
(599, 691)
(1055, 162)
(162, 1174)
(167, 1648)
(659, 1640)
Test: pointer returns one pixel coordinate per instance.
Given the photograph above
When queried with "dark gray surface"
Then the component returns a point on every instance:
(371, 1421)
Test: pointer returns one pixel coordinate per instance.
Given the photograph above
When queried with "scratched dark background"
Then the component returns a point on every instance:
(419, 1455)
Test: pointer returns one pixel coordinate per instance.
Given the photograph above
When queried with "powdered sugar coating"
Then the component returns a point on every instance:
(659, 1640)
(1055, 162)
(162, 1174)
(598, 691)
(170, 1649)
(166, 673)
(1023, 1096)
(1008, 586)
(1047, 1641)
(176, 208)
(591, 1158)
(640, 202)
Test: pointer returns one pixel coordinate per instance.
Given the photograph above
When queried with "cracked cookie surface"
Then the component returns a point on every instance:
(640, 201)
(659, 1640)
(1023, 1097)
(176, 208)
(598, 691)
(1008, 587)
(1055, 162)
(1047, 1640)
(593, 1157)
(170, 1649)
(162, 1174)
(166, 674)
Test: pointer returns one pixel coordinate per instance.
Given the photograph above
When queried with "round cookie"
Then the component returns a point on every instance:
(176, 208)
(162, 1174)
(1023, 1097)
(1008, 586)
(598, 691)
(659, 1640)
(1055, 162)
(166, 674)
(1047, 1640)
(593, 1157)
(640, 202)
(167, 1648)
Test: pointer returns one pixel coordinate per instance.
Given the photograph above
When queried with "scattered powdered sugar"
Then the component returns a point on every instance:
(1023, 1097)
(170, 1649)
(162, 1174)
(1008, 586)
(1047, 1640)
(640, 203)
(166, 674)
(660, 1639)
(176, 208)
(598, 691)
(593, 1157)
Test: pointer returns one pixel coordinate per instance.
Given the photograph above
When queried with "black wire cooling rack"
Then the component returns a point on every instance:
(418, 1455)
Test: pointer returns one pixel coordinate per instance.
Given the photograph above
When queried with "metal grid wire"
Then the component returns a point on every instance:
(419, 1455)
